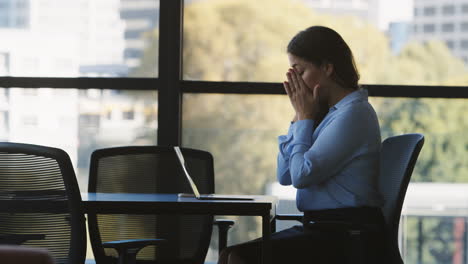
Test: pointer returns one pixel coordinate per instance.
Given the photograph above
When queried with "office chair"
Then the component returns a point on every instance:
(13, 254)
(151, 238)
(40, 202)
(398, 159)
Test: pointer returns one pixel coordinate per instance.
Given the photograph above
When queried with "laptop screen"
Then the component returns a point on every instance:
(182, 163)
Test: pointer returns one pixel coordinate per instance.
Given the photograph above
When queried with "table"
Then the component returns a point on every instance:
(137, 203)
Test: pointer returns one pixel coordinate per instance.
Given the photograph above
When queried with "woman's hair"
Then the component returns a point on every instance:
(319, 45)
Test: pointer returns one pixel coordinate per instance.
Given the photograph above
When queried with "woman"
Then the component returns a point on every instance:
(330, 155)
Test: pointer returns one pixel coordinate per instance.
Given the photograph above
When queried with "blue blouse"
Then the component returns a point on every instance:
(335, 165)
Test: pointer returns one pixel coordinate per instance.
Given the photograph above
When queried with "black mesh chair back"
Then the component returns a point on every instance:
(398, 158)
(151, 169)
(39, 196)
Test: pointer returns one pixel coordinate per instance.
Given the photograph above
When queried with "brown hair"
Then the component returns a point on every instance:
(319, 45)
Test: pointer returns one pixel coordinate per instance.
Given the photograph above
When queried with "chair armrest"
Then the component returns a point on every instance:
(132, 243)
(128, 249)
(223, 227)
(289, 217)
(18, 239)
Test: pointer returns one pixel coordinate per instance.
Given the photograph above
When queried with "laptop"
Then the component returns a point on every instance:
(196, 193)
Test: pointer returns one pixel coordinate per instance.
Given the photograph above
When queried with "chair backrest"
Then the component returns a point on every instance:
(39, 195)
(151, 169)
(398, 158)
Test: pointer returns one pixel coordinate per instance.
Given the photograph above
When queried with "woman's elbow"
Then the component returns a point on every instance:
(298, 183)
(300, 177)
(303, 180)
(283, 177)
(284, 182)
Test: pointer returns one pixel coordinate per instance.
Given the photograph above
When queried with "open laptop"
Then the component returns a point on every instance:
(194, 187)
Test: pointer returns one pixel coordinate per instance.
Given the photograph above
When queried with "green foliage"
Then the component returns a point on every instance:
(149, 63)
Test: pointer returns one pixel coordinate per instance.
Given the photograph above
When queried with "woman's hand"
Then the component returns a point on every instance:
(304, 100)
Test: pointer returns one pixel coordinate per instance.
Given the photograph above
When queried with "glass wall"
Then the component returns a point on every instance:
(78, 121)
(394, 42)
(70, 38)
(387, 38)
(241, 132)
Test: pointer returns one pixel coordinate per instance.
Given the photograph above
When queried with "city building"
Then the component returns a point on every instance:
(140, 17)
(49, 38)
(14, 13)
(368, 10)
(399, 34)
(445, 20)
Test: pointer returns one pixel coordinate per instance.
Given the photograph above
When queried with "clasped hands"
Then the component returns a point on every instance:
(305, 100)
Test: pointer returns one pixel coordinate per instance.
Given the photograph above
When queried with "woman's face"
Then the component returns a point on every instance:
(311, 74)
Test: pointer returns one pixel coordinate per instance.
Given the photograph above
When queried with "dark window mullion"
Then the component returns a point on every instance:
(80, 83)
(170, 72)
(410, 91)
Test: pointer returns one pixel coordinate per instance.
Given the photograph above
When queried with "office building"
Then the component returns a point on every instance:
(49, 38)
(365, 9)
(399, 34)
(445, 20)
(14, 13)
(140, 17)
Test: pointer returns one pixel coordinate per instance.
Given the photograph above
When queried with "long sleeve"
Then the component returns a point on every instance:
(335, 146)
(282, 169)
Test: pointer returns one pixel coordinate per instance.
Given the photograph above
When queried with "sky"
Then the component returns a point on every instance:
(394, 10)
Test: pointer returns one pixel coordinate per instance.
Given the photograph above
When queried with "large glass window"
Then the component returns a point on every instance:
(429, 28)
(241, 40)
(448, 27)
(464, 26)
(434, 220)
(429, 11)
(241, 132)
(464, 8)
(78, 121)
(448, 10)
(69, 38)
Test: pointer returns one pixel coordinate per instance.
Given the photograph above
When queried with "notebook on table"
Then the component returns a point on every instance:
(194, 188)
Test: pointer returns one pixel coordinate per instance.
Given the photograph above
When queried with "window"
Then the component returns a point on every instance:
(464, 44)
(416, 12)
(428, 28)
(450, 44)
(448, 27)
(73, 41)
(231, 134)
(448, 10)
(259, 56)
(71, 120)
(429, 11)
(464, 8)
(4, 22)
(250, 46)
(22, 22)
(464, 26)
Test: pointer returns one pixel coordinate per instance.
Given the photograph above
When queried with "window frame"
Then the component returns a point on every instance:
(171, 86)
